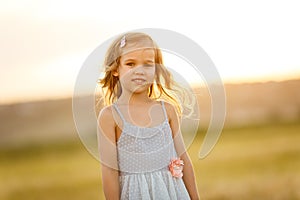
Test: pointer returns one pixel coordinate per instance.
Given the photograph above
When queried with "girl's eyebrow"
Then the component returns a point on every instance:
(129, 59)
(132, 59)
(150, 61)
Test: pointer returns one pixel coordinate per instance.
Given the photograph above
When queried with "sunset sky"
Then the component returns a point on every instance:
(45, 42)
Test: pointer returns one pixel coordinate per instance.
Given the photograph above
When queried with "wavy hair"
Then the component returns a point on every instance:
(164, 87)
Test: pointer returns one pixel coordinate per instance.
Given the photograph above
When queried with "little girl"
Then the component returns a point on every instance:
(141, 148)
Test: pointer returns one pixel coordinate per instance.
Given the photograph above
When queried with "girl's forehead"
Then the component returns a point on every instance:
(139, 53)
(135, 45)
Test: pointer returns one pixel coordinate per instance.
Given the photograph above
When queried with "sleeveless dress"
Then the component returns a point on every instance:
(143, 157)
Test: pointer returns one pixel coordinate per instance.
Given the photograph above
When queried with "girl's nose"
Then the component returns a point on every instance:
(139, 71)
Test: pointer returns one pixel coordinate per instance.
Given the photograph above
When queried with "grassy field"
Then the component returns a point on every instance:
(255, 162)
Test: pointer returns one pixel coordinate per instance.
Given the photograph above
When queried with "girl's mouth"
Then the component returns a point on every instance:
(138, 81)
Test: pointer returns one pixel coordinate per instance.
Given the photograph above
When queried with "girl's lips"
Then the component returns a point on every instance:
(138, 81)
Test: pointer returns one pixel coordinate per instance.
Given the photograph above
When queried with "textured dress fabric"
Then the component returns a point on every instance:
(144, 154)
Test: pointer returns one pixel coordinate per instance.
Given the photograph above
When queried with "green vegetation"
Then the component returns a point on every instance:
(255, 162)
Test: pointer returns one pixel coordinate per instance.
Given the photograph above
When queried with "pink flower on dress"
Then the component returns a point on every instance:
(176, 167)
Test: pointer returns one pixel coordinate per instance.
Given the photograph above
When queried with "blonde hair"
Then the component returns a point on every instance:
(164, 87)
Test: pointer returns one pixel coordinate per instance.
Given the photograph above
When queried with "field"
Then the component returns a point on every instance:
(250, 162)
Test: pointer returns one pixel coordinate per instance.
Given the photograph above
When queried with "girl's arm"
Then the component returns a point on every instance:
(108, 154)
(188, 171)
(189, 177)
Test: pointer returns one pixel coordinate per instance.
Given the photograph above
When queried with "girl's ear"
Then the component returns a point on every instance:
(115, 73)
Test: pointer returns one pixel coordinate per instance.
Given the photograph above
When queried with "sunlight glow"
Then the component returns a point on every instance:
(41, 40)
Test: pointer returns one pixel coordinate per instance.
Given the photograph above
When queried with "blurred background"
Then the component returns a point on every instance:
(254, 45)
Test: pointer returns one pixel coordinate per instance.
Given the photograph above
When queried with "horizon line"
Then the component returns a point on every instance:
(33, 99)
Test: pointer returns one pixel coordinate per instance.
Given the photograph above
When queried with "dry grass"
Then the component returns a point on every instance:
(257, 162)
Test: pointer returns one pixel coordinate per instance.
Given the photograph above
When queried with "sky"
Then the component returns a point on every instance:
(45, 42)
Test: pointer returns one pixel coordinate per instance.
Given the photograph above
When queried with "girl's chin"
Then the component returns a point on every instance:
(140, 89)
(137, 88)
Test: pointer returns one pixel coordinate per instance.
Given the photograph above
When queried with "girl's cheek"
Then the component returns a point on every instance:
(125, 71)
(150, 70)
(153, 72)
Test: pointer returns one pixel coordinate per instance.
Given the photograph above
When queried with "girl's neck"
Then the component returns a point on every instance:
(134, 98)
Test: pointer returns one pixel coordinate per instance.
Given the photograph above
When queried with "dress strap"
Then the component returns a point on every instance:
(164, 109)
(119, 112)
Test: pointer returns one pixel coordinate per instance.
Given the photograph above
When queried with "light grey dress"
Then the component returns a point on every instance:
(143, 156)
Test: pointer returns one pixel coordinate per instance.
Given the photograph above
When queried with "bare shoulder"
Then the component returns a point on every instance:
(106, 122)
(106, 114)
(171, 111)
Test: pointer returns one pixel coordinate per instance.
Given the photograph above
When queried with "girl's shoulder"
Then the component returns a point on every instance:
(170, 109)
(106, 114)
(167, 104)
(106, 110)
(106, 123)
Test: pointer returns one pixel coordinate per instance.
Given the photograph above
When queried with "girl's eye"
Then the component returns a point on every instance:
(130, 64)
(149, 65)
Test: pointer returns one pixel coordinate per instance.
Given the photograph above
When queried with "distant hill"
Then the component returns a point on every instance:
(262, 102)
(246, 104)
(36, 121)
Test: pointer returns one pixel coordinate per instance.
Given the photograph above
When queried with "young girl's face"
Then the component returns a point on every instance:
(137, 70)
